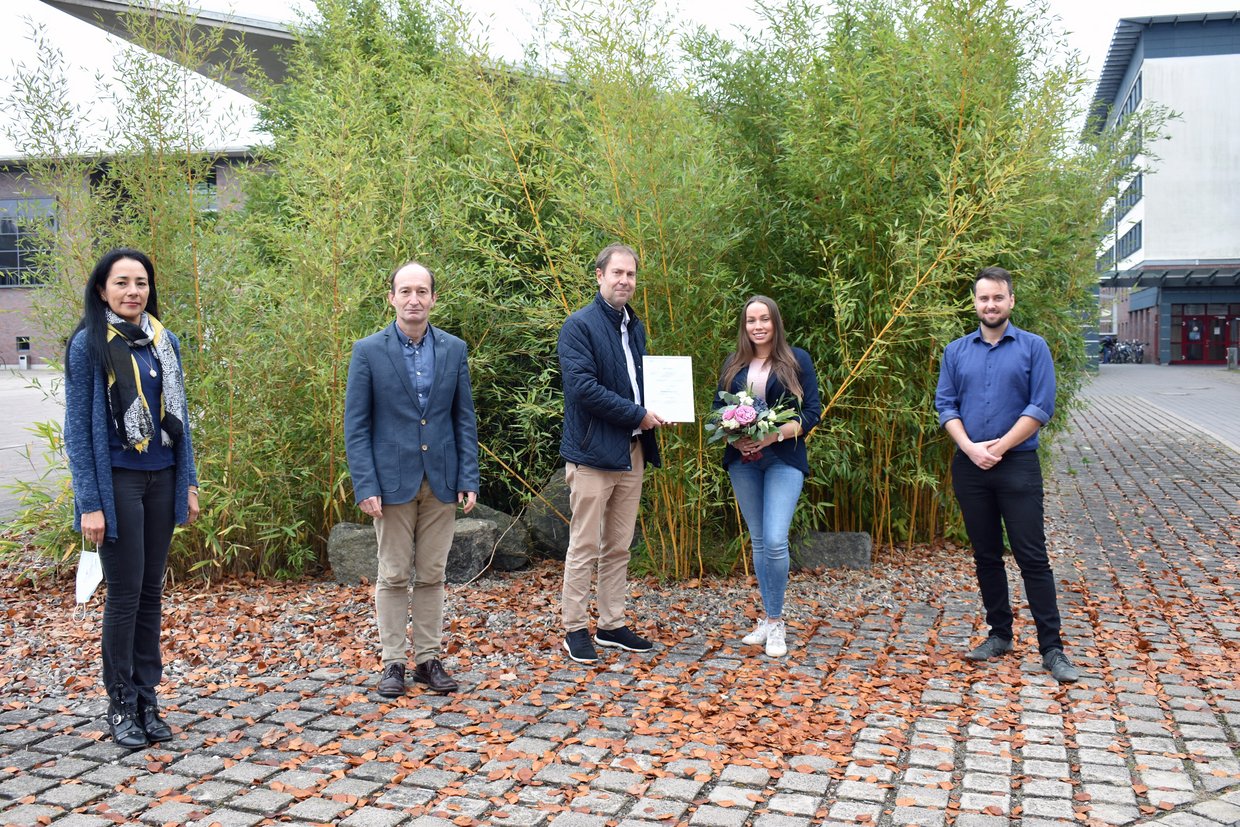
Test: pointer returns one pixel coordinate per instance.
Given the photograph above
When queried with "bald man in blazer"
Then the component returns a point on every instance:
(412, 442)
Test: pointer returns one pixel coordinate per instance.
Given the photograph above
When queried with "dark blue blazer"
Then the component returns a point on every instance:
(790, 451)
(391, 443)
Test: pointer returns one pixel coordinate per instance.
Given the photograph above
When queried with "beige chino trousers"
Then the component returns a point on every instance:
(414, 539)
(604, 518)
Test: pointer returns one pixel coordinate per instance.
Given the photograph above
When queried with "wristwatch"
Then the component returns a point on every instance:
(779, 438)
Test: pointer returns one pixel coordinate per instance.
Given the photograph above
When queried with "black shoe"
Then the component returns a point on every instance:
(1060, 667)
(993, 647)
(153, 724)
(126, 730)
(431, 673)
(622, 638)
(392, 684)
(579, 647)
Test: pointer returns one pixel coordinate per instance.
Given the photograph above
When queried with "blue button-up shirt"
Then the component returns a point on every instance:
(420, 362)
(989, 387)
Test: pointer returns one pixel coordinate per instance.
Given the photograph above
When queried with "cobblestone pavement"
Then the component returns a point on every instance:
(873, 718)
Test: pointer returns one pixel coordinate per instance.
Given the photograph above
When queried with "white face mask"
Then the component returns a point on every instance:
(89, 576)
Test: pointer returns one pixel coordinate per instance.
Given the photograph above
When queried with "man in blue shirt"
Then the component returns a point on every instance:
(412, 442)
(996, 390)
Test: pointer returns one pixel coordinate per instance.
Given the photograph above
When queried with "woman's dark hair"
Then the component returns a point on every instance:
(94, 323)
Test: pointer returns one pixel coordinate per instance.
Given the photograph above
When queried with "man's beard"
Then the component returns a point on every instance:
(994, 325)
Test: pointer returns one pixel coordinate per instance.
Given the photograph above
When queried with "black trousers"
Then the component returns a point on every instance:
(1009, 496)
(133, 568)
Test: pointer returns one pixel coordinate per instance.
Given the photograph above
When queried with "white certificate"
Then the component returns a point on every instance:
(669, 387)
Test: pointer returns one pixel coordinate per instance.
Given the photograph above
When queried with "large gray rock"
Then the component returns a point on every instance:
(549, 530)
(832, 550)
(353, 553)
(515, 543)
(472, 543)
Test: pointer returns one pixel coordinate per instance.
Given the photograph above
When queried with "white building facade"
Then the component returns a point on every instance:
(1169, 269)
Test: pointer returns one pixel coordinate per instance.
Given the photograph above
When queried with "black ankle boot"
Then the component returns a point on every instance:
(155, 727)
(126, 730)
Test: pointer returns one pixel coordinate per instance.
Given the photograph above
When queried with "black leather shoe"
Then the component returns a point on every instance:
(431, 673)
(392, 684)
(993, 647)
(126, 730)
(153, 724)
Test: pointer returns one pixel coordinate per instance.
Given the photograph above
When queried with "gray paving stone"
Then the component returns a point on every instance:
(658, 809)
(29, 814)
(860, 791)
(849, 810)
(317, 809)
(979, 820)
(729, 796)
(1047, 807)
(978, 802)
(245, 772)
(918, 815)
(1047, 789)
(127, 804)
(986, 782)
(683, 789)
(1114, 813)
(71, 796)
(931, 797)
(1219, 810)
(617, 781)
(749, 776)
(803, 782)
(24, 785)
(84, 820)
(405, 797)
(171, 812)
(709, 815)
(1105, 773)
(262, 801)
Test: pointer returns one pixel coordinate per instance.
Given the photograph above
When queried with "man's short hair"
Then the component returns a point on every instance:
(604, 256)
(410, 262)
(993, 273)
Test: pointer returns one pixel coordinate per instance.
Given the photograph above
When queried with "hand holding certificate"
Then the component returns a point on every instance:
(668, 387)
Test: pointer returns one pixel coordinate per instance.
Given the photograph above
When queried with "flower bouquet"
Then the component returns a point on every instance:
(743, 414)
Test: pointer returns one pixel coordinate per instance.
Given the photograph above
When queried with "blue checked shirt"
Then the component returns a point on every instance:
(420, 362)
(989, 387)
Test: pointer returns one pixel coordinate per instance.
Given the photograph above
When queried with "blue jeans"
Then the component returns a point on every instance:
(767, 491)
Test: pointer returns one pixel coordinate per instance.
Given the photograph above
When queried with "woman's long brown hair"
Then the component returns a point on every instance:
(783, 362)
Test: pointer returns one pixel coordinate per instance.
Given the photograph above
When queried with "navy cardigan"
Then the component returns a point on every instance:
(86, 441)
(790, 451)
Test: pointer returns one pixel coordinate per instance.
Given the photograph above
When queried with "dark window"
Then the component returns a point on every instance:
(1106, 261)
(1129, 242)
(1129, 197)
(24, 235)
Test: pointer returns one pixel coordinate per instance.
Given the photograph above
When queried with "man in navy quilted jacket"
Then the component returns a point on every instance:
(608, 440)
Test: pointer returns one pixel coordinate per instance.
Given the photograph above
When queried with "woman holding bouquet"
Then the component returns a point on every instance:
(767, 461)
(132, 463)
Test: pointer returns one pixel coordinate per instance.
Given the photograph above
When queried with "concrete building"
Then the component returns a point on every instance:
(24, 203)
(1169, 270)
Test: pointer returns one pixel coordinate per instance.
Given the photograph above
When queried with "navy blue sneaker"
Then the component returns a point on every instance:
(622, 638)
(579, 647)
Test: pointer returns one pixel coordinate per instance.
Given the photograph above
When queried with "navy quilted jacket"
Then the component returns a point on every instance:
(599, 411)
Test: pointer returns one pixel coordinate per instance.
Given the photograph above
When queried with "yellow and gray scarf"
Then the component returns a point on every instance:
(126, 404)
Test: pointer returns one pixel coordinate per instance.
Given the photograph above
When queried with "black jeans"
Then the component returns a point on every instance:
(1009, 496)
(133, 567)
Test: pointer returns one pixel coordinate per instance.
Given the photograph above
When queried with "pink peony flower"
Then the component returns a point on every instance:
(744, 415)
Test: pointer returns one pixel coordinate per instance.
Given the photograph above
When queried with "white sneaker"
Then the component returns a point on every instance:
(776, 647)
(759, 633)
